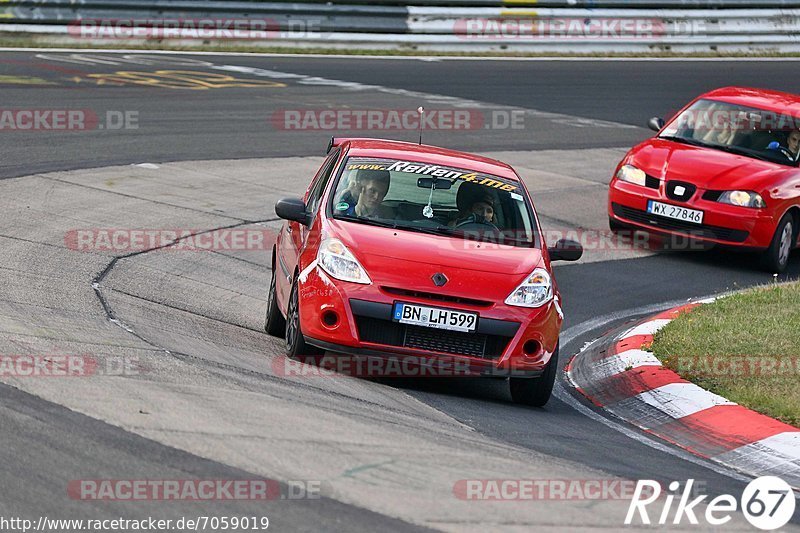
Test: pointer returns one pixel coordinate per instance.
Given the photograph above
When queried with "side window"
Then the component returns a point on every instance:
(321, 181)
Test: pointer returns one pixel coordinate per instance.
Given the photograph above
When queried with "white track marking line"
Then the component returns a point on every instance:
(573, 332)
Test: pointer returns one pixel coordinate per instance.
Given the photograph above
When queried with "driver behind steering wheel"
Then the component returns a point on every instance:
(792, 145)
(480, 212)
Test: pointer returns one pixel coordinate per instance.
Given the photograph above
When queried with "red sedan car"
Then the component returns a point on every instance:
(401, 251)
(723, 171)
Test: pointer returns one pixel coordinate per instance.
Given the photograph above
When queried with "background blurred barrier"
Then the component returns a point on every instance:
(468, 25)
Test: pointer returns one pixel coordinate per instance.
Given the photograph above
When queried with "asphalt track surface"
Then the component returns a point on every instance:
(206, 124)
(613, 99)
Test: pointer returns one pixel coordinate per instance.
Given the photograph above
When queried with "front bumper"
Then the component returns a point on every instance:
(501, 344)
(723, 224)
(422, 366)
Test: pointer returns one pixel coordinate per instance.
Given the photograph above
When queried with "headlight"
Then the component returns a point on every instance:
(335, 259)
(742, 198)
(535, 291)
(632, 174)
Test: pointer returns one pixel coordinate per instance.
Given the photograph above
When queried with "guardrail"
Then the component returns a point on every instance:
(568, 26)
(257, 6)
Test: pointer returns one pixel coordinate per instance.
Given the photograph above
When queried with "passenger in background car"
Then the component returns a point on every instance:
(793, 142)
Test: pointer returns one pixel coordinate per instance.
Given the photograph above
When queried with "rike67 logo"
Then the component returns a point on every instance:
(767, 503)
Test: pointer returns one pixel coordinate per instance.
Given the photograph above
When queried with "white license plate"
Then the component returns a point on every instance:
(674, 211)
(434, 317)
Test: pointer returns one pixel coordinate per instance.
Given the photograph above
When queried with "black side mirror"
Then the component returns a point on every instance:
(655, 123)
(293, 209)
(565, 250)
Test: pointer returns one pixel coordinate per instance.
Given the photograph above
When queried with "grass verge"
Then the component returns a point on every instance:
(745, 347)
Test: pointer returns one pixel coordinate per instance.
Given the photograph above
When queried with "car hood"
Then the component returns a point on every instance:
(408, 259)
(706, 168)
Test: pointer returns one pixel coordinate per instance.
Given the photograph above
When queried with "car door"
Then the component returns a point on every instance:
(294, 234)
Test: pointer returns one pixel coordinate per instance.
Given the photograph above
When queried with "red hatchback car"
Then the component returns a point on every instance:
(724, 171)
(401, 251)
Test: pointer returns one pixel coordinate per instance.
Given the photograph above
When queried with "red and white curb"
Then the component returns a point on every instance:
(615, 374)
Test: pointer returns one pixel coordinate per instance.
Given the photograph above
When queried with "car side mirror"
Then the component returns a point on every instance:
(293, 209)
(565, 250)
(655, 123)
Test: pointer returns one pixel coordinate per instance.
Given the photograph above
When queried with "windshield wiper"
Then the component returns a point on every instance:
(440, 230)
(371, 222)
(748, 153)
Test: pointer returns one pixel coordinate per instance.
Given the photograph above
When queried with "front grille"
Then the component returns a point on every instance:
(392, 333)
(436, 297)
(651, 181)
(445, 341)
(695, 230)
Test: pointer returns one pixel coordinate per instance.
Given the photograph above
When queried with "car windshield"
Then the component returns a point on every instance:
(434, 199)
(747, 131)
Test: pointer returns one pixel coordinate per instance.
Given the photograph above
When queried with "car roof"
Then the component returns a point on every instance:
(426, 154)
(775, 101)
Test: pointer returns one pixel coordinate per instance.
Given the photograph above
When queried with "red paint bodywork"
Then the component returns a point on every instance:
(711, 169)
(408, 260)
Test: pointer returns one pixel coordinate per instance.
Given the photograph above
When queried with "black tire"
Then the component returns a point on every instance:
(275, 323)
(535, 392)
(296, 346)
(776, 257)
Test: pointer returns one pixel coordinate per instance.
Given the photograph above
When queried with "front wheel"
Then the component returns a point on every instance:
(295, 343)
(776, 257)
(535, 391)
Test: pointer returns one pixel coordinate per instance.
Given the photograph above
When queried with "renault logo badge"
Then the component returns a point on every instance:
(439, 279)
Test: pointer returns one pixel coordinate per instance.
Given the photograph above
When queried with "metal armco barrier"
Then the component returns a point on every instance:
(577, 26)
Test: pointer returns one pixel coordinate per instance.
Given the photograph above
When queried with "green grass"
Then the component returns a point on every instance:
(745, 347)
(23, 40)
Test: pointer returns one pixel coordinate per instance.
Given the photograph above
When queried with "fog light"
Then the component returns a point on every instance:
(531, 348)
(330, 318)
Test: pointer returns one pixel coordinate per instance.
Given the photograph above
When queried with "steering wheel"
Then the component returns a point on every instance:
(775, 145)
(476, 223)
